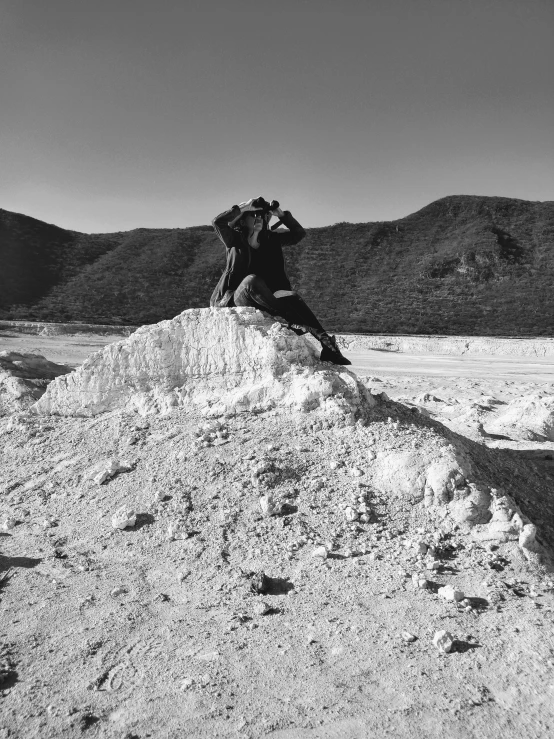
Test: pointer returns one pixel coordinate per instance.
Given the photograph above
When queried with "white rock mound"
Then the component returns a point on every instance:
(23, 379)
(529, 418)
(217, 360)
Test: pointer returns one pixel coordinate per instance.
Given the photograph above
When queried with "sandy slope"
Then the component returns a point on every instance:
(114, 633)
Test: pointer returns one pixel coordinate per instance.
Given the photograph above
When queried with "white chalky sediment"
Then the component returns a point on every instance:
(218, 360)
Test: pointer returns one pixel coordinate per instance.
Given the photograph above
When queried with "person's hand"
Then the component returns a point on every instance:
(278, 212)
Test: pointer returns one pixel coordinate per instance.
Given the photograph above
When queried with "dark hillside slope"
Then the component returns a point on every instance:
(153, 274)
(475, 265)
(35, 256)
(461, 265)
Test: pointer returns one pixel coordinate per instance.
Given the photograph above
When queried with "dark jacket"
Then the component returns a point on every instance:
(239, 255)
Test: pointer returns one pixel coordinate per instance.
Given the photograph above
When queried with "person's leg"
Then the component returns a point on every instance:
(254, 293)
(299, 314)
(295, 306)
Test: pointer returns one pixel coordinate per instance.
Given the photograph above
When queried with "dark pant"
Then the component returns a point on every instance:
(254, 293)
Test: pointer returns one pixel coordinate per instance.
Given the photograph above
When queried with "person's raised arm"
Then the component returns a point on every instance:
(295, 231)
(223, 223)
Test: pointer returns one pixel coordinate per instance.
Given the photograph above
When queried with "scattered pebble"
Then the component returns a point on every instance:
(176, 530)
(350, 514)
(9, 523)
(320, 552)
(106, 473)
(261, 608)
(448, 592)
(260, 583)
(419, 581)
(421, 547)
(408, 637)
(267, 505)
(124, 518)
(443, 641)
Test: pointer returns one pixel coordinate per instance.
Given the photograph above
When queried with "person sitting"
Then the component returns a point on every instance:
(255, 274)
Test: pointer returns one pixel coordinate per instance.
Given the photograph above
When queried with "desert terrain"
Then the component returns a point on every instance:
(266, 574)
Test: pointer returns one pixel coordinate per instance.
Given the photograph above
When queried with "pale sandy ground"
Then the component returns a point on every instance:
(126, 634)
(73, 350)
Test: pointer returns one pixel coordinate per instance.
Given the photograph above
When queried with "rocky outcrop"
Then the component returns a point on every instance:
(24, 378)
(218, 360)
(530, 418)
(430, 473)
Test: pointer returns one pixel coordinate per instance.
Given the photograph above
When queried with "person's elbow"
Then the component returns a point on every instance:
(298, 235)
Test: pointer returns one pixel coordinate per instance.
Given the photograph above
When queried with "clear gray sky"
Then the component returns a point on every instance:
(117, 114)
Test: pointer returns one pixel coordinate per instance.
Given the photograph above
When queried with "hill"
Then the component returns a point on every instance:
(462, 265)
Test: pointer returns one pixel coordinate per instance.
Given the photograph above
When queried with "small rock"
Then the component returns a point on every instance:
(261, 608)
(448, 592)
(260, 583)
(407, 637)
(443, 641)
(176, 530)
(267, 505)
(350, 514)
(9, 523)
(109, 471)
(120, 590)
(420, 581)
(355, 472)
(320, 552)
(124, 518)
(187, 683)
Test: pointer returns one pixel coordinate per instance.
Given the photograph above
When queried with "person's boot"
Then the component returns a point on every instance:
(330, 351)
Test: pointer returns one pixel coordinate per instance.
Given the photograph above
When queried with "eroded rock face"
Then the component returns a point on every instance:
(219, 360)
(24, 378)
(431, 474)
(528, 418)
